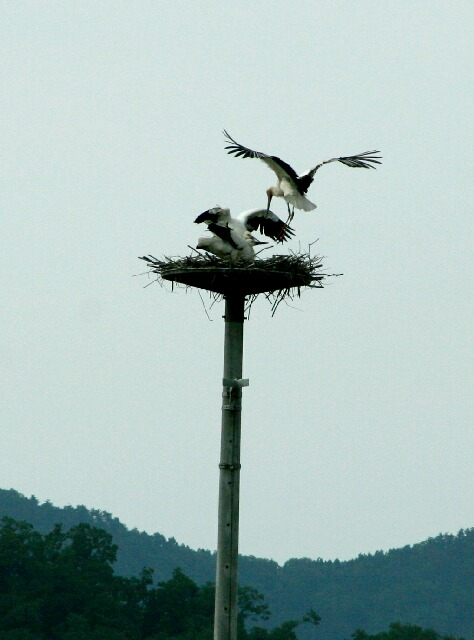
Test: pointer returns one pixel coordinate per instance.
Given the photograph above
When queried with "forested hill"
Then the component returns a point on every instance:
(430, 584)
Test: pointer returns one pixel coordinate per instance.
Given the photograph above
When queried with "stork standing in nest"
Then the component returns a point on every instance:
(291, 186)
(228, 245)
(232, 236)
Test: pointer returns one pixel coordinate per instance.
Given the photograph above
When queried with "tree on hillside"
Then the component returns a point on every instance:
(398, 631)
(429, 583)
(62, 586)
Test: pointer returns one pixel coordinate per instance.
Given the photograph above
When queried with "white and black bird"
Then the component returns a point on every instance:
(227, 244)
(262, 220)
(291, 186)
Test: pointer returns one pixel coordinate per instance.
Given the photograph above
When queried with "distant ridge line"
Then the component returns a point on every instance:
(429, 583)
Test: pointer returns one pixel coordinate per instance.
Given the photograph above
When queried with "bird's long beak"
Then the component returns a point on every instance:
(270, 196)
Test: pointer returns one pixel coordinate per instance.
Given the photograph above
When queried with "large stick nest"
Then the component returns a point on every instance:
(280, 277)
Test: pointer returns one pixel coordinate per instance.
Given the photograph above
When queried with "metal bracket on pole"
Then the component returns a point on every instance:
(242, 382)
(230, 467)
(232, 391)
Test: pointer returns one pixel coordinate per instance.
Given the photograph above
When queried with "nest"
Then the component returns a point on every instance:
(280, 277)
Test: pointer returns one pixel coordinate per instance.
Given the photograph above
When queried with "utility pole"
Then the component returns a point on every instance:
(234, 284)
(225, 620)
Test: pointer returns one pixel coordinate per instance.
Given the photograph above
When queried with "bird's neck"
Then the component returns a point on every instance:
(276, 192)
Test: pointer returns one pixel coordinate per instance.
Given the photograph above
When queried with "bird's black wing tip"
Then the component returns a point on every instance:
(365, 160)
(369, 157)
(228, 136)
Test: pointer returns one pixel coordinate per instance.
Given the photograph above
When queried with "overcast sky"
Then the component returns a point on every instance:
(357, 425)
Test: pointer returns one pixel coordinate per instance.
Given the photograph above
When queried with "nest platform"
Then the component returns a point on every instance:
(236, 281)
(278, 277)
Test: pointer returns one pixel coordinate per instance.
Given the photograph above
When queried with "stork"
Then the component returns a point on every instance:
(291, 186)
(262, 220)
(227, 244)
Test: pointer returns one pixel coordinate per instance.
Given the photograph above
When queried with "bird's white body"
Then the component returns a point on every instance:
(236, 224)
(288, 190)
(222, 249)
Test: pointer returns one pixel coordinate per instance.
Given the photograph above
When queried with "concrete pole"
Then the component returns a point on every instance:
(225, 620)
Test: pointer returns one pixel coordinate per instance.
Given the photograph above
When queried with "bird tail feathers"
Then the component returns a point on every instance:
(300, 202)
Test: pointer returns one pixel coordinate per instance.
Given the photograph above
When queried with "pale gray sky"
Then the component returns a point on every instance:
(357, 426)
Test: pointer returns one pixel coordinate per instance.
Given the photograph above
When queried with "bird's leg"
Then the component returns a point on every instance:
(291, 213)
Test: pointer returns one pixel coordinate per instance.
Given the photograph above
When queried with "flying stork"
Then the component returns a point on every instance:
(291, 186)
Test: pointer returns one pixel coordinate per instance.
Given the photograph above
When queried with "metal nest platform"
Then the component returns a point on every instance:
(278, 277)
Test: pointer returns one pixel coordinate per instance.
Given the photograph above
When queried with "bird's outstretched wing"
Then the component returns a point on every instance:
(365, 160)
(223, 232)
(267, 223)
(282, 169)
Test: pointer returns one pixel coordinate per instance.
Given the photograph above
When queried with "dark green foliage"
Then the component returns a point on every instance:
(428, 584)
(178, 608)
(312, 617)
(62, 586)
(136, 549)
(252, 605)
